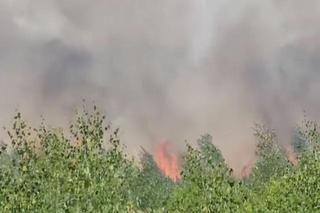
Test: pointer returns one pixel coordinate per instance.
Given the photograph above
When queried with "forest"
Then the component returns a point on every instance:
(86, 168)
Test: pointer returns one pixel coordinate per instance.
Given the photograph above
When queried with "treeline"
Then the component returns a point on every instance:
(86, 170)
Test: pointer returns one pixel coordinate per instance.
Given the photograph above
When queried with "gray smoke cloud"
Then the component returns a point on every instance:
(170, 69)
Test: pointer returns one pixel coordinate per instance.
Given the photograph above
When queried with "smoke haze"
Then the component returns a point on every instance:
(164, 70)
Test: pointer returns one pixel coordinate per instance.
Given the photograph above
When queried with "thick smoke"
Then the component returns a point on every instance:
(170, 69)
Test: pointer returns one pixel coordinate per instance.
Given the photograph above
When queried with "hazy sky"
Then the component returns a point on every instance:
(169, 69)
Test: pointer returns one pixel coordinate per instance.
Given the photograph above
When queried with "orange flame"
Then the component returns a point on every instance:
(167, 162)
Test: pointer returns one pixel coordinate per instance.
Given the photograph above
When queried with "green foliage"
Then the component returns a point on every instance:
(151, 187)
(207, 184)
(271, 159)
(210, 155)
(286, 194)
(297, 191)
(60, 176)
(86, 170)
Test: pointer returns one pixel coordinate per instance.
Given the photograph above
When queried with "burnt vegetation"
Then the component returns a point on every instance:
(86, 169)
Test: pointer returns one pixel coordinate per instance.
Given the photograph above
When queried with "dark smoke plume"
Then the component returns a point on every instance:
(169, 69)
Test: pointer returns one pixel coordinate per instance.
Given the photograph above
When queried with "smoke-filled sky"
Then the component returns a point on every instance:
(169, 69)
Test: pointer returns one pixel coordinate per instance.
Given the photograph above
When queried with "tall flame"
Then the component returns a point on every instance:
(167, 162)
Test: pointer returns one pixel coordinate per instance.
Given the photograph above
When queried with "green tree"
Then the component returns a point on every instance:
(298, 190)
(271, 159)
(152, 189)
(207, 184)
(46, 172)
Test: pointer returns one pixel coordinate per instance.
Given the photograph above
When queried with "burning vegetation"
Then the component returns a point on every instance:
(167, 161)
